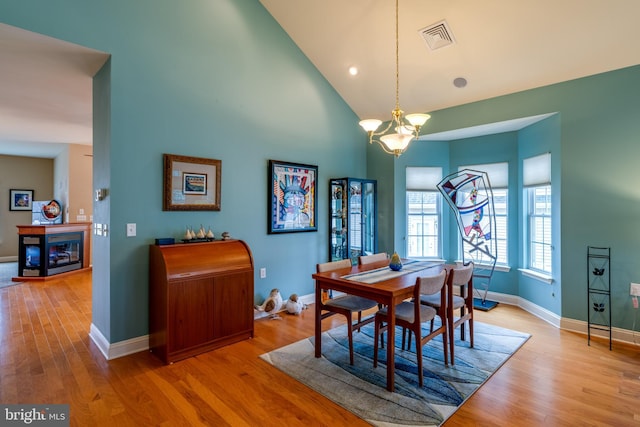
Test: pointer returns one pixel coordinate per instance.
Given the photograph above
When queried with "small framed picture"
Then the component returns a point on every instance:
(191, 183)
(20, 200)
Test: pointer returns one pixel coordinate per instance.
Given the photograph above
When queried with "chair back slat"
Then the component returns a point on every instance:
(429, 285)
(369, 259)
(462, 275)
(333, 265)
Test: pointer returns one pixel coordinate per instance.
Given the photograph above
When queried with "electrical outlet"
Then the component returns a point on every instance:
(634, 289)
(263, 273)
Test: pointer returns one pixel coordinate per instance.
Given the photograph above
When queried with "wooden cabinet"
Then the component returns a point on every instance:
(201, 297)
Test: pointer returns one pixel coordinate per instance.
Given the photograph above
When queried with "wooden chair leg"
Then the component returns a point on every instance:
(375, 343)
(350, 334)
(418, 334)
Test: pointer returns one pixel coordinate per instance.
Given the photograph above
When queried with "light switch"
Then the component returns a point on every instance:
(131, 230)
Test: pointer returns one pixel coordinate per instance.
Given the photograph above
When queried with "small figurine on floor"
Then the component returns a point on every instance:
(272, 304)
(294, 305)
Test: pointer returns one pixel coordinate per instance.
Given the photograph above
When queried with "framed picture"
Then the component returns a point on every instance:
(292, 197)
(191, 183)
(20, 200)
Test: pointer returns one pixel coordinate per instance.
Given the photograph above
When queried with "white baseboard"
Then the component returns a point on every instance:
(118, 349)
(134, 345)
(8, 258)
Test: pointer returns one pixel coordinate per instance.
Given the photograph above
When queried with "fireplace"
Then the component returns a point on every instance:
(49, 254)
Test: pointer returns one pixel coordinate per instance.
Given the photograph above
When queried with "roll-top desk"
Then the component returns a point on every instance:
(200, 296)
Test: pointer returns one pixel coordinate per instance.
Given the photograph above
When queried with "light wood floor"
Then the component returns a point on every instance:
(46, 356)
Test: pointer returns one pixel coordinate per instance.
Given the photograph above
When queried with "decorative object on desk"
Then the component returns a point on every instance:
(20, 200)
(191, 183)
(52, 210)
(226, 235)
(272, 304)
(361, 389)
(210, 234)
(200, 234)
(293, 305)
(187, 234)
(395, 264)
(292, 197)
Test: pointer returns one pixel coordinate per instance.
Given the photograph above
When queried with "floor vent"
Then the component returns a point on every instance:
(437, 35)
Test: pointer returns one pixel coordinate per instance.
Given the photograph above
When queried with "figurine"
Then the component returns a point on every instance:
(226, 235)
(294, 305)
(272, 304)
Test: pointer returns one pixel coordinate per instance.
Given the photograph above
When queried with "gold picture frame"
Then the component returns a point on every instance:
(191, 183)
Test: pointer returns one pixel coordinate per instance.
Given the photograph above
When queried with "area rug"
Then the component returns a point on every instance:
(361, 389)
(7, 271)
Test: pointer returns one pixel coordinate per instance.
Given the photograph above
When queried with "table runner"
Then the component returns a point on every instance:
(384, 273)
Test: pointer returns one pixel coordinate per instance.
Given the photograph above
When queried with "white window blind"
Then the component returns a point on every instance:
(536, 170)
(498, 173)
(423, 178)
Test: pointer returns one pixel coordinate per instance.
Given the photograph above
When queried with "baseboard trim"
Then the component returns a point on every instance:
(135, 345)
(118, 349)
(8, 259)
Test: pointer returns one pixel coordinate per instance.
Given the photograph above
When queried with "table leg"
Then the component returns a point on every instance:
(391, 344)
(318, 331)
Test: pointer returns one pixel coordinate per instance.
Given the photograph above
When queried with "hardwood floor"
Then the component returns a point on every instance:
(46, 356)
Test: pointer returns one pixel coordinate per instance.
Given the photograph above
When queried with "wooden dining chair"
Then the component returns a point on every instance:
(346, 305)
(459, 297)
(410, 315)
(369, 259)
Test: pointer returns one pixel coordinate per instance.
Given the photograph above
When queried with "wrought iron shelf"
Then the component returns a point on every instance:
(598, 291)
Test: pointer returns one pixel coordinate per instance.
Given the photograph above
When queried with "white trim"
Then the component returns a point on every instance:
(536, 275)
(8, 259)
(135, 345)
(119, 349)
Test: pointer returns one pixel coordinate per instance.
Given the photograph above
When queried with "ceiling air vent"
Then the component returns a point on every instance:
(437, 35)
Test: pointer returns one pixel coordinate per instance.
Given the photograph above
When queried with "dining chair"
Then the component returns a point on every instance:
(369, 259)
(346, 305)
(460, 299)
(410, 315)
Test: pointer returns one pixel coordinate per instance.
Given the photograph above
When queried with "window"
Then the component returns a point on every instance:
(536, 176)
(423, 212)
(539, 204)
(498, 174)
(423, 222)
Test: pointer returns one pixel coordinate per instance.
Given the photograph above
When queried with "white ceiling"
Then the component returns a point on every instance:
(500, 47)
(45, 93)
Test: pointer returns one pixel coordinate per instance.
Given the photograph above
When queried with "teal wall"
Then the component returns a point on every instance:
(592, 138)
(216, 79)
(220, 79)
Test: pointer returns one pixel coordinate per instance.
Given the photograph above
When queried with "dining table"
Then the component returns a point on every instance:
(378, 282)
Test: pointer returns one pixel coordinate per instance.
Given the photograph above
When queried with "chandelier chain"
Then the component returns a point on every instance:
(397, 62)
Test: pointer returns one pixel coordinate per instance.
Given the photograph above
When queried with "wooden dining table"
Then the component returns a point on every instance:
(377, 282)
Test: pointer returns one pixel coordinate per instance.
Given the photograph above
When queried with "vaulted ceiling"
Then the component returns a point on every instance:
(497, 46)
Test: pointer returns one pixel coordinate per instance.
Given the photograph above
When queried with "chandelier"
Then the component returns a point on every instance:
(401, 130)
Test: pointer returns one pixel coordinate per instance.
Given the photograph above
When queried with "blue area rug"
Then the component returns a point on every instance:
(361, 389)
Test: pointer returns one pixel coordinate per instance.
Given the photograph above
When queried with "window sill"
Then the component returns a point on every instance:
(538, 276)
(499, 267)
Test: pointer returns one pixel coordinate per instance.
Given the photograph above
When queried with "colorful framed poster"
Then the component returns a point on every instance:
(292, 197)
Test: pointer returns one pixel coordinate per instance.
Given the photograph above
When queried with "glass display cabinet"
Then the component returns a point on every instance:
(353, 212)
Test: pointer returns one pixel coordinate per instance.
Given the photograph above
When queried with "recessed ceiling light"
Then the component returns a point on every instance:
(460, 82)
(353, 70)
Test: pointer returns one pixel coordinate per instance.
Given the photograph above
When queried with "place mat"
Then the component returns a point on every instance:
(385, 273)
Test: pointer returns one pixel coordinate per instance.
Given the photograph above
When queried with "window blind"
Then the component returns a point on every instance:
(423, 178)
(536, 170)
(498, 173)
